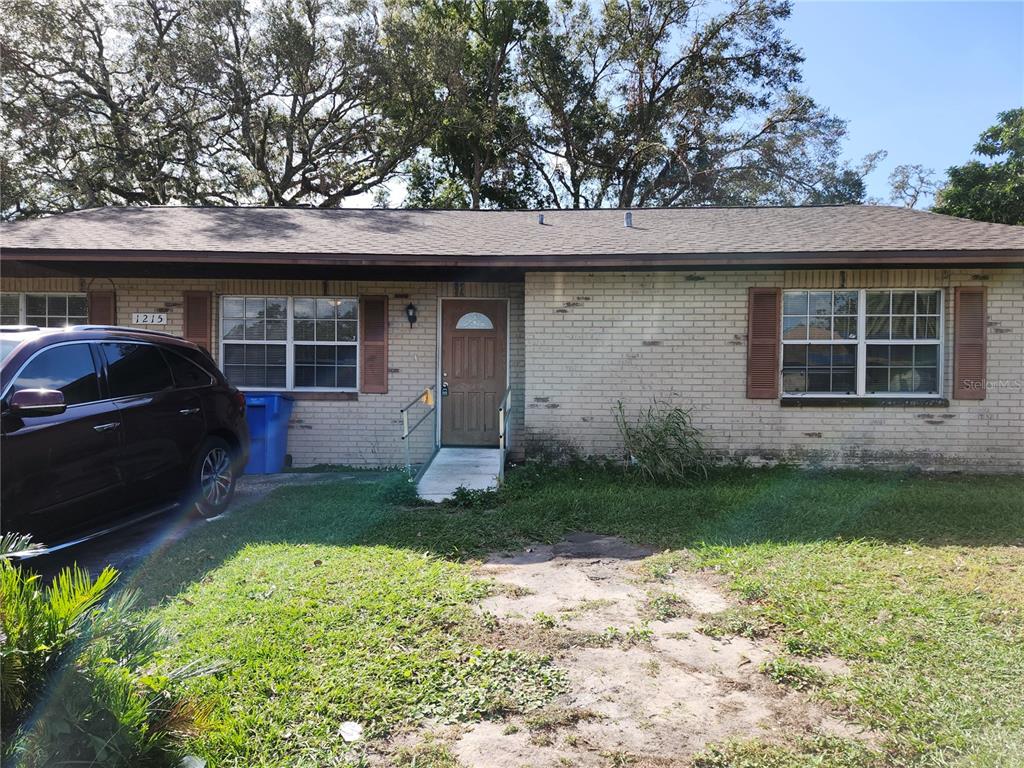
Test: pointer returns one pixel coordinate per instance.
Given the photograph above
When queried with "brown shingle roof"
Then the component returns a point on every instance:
(382, 236)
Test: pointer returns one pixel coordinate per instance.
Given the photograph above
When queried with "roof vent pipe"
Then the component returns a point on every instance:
(540, 219)
(629, 218)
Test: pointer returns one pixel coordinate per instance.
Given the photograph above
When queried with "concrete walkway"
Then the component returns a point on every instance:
(472, 468)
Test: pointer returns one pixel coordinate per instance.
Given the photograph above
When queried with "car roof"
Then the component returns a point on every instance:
(19, 332)
(22, 333)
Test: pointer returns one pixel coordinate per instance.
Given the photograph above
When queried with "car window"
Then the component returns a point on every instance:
(186, 373)
(198, 356)
(68, 367)
(135, 369)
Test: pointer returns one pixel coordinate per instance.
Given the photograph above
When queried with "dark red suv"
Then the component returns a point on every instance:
(102, 423)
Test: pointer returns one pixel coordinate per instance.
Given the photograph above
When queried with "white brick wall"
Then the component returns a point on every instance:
(366, 432)
(595, 338)
(580, 341)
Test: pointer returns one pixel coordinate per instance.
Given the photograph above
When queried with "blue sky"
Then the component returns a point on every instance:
(919, 79)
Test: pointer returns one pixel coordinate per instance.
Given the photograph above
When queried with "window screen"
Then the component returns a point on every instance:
(46, 310)
(255, 334)
(10, 309)
(303, 342)
(56, 310)
(325, 332)
(864, 342)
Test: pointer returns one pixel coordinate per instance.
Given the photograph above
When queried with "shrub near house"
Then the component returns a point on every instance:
(77, 686)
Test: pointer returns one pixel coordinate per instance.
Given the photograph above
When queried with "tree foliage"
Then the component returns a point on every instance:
(316, 100)
(96, 108)
(211, 102)
(473, 103)
(993, 190)
(909, 183)
(697, 108)
(661, 103)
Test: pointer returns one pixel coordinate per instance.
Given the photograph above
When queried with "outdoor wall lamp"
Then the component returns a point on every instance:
(410, 314)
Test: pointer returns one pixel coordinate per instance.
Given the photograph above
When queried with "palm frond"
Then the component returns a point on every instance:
(12, 544)
(74, 593)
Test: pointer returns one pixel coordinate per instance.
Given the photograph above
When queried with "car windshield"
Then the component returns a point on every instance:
(6, 347)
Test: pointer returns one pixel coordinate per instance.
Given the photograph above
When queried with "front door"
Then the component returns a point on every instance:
(473, 370)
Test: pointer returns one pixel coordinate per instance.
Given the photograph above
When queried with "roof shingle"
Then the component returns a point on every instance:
(427, 233)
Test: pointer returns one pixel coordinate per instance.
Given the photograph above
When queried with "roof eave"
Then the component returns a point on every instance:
(973, 257)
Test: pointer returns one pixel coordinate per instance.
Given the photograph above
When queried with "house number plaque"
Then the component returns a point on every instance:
(149, 318)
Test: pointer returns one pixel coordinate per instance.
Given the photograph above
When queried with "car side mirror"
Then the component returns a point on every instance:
(37, 402)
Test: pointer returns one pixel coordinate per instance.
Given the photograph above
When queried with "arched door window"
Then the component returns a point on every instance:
(474, 321)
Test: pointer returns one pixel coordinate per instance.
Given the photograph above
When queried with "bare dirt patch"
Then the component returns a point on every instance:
(649, 690)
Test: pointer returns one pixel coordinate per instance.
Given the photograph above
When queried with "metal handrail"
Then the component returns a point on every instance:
(504, 410)
(407, 430)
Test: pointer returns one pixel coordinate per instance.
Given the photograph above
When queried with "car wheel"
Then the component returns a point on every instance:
(213, 477)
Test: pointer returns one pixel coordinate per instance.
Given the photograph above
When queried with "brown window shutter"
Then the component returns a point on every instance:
(969, 342)
(102, 308)
(373, 344)
(198, 321)
(763, 320)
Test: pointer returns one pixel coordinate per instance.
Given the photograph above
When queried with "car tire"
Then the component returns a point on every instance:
(213, 477)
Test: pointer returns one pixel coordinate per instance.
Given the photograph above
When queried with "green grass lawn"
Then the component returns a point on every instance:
(338, 602)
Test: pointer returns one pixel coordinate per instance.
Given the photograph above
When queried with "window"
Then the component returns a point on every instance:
(135, 369)
(67, 367)
(186, 373)
(255, 334)
(290, 343)
(862, 343)
(46, 310)
(325, 336)
(820, 324)
(10, 309)
(474, 321)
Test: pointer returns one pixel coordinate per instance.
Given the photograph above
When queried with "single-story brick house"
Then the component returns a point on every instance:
(846, 335)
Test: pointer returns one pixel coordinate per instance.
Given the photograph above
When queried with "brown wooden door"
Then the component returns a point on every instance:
(473, 366)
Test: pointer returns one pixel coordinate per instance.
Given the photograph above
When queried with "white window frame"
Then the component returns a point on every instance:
(288, 341)
(295, 343)
(23, 298)
(862, 342)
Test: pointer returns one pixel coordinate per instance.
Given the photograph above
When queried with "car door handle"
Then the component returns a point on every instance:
(106, 427)
(188, 411)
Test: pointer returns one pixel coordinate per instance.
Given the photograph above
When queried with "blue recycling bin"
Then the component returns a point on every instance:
(267, 414)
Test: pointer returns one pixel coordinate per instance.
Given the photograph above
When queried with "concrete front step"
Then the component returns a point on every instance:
(473, 468)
